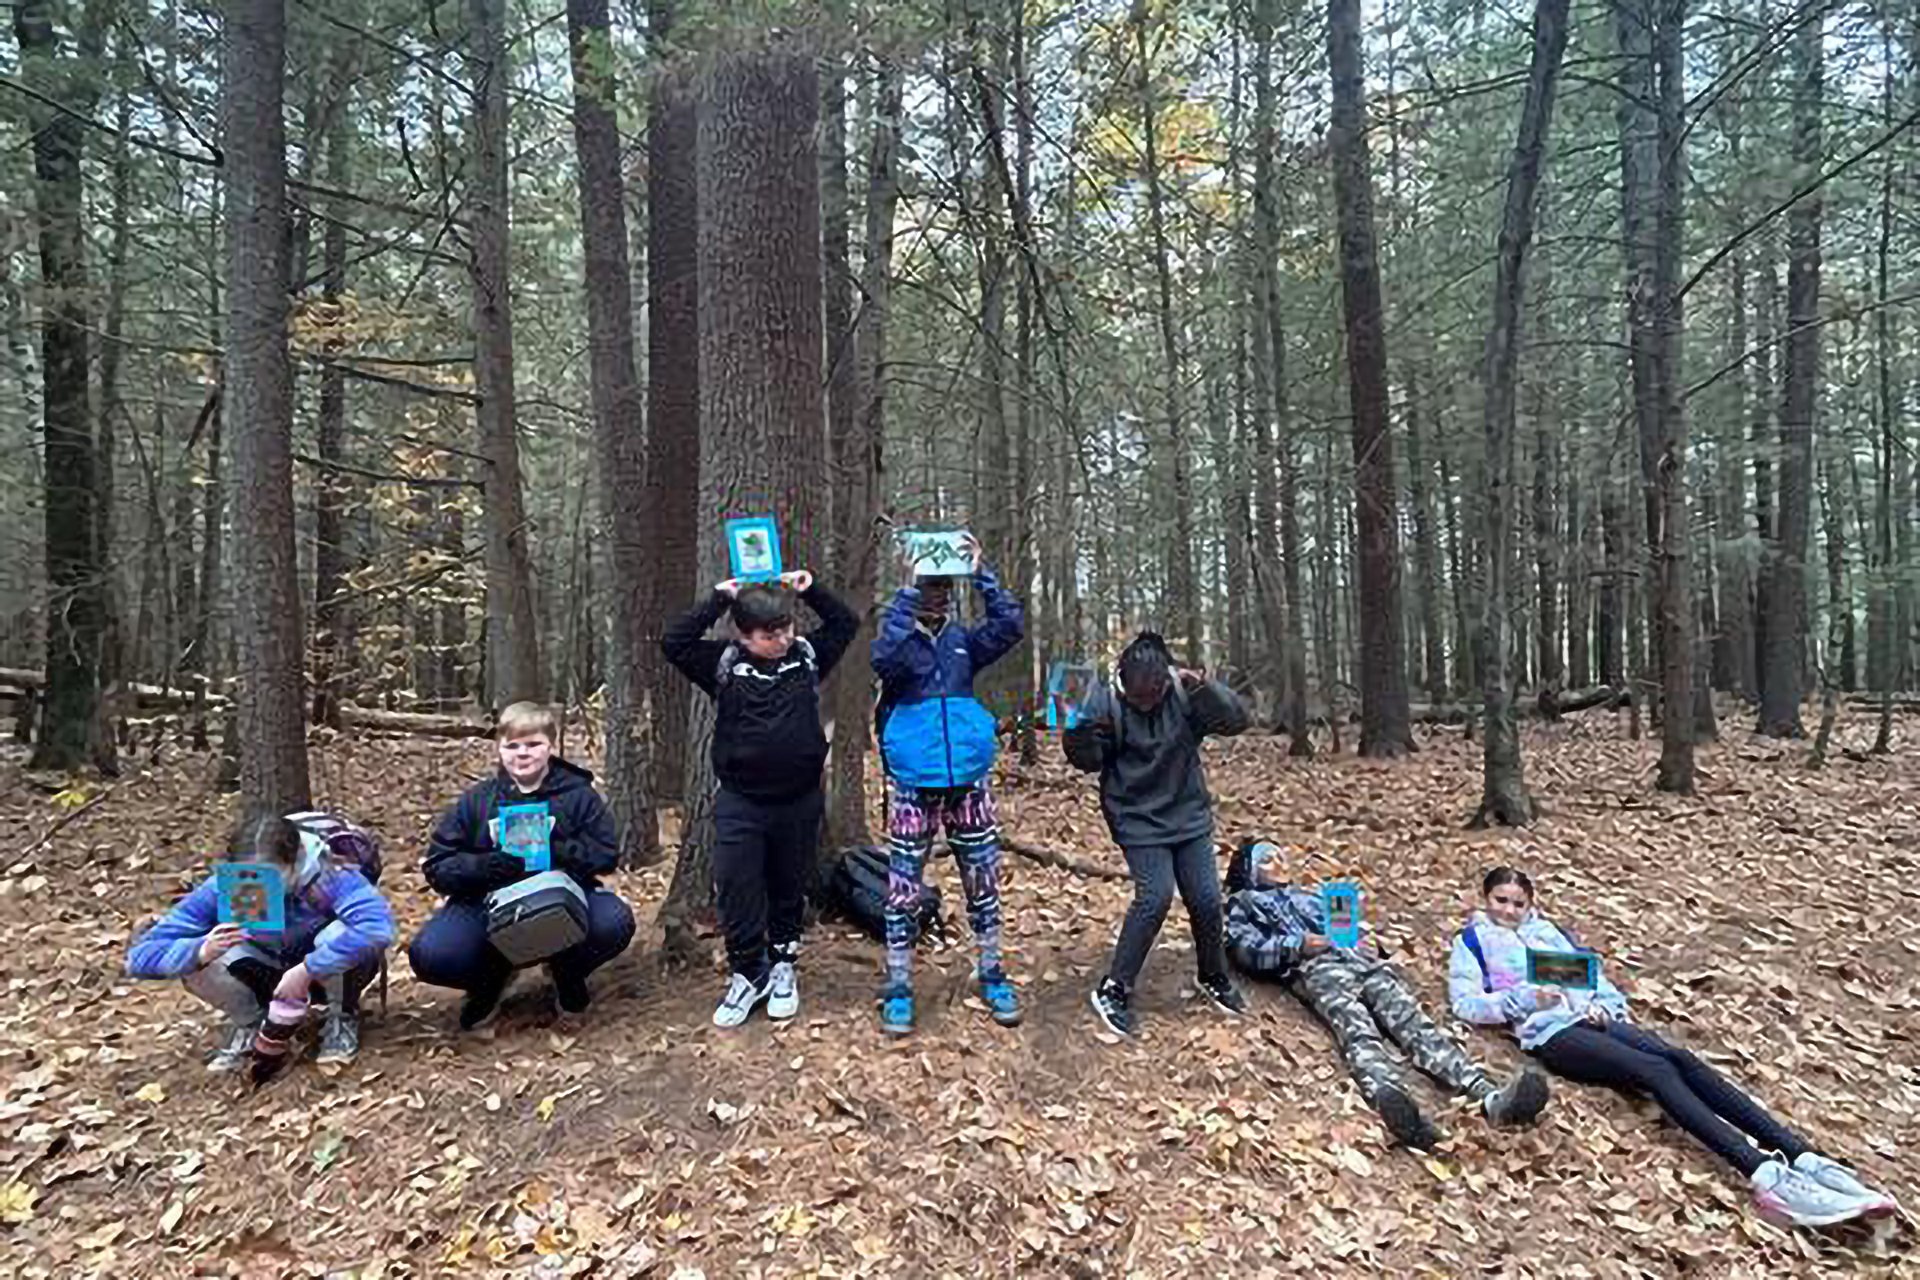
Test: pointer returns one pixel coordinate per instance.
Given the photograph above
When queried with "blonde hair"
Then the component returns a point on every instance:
(521, 719)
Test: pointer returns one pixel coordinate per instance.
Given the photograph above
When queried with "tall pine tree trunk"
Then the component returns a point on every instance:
(1183, 600)
(1783, 671)
(619, 428)
(70, 734)
(762, 429)
(673, 392)
(1385, 717)
(331, 489)
(270, 718)
(514, 668)
(1504, 799)
(857, 470)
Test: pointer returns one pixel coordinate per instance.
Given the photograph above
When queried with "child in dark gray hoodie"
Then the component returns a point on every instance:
(1143, 739)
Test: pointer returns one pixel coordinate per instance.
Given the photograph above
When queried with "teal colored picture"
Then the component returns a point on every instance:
(753, 549)
(252, 894)
(1576, 970)
(1341, 900)
(938, 553)
(526, 832)
(1070, 687)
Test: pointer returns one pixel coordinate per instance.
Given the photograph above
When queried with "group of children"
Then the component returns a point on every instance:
(1141, 736)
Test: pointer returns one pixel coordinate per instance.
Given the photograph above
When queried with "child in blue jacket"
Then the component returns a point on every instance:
(938, 744)
(337, 929)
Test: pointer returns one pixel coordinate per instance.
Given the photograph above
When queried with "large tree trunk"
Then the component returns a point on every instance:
(1882, 612)
(619, 428)
(1385, 720)
(268, 637)
(70, 736)
(514, 668)
(1782, 662)
(857, 470)
(673, 395)
(1504, 799)
(762, 433)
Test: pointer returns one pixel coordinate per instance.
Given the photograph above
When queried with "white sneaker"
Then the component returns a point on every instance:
(236, 1049)
(1788, 1198)
(737, 1005)
(1835, 1176)
(783, 986)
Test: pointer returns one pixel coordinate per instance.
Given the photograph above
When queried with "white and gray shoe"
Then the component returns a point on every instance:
(783, 996)
(236, 1049)
(1835, 1176)
(1787, 1197)
(742, 995)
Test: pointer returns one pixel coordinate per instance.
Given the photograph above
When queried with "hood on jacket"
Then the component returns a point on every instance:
(1240, 866)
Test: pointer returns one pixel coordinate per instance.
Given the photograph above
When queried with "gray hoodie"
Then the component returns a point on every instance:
(1152, 787)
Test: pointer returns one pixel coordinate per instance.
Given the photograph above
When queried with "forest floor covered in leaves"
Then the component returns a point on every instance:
(1770, 920)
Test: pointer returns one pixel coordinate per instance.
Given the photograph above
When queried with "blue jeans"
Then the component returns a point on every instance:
(451, 949)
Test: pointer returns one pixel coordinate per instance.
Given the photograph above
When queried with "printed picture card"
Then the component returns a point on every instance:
(1341, 898)
(938, 553)
(1070, 687)
(526, 832)
(753, 549)
(1578, 970)
(252, 894)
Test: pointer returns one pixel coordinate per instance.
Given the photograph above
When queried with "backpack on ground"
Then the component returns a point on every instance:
(854, 888)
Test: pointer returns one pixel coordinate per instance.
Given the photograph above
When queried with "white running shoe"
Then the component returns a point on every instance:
(1835, 1176)
(1788, 1198)
(737, 1005)
(783, 998)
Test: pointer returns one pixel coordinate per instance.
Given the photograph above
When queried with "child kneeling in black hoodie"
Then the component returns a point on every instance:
(465, 861)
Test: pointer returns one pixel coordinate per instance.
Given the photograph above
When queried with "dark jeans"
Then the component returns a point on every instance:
(761, 853)
(451, 949)
(1157, 870)
(1695, 1096)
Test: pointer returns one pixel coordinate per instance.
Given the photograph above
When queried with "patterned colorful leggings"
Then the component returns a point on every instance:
(973, 829)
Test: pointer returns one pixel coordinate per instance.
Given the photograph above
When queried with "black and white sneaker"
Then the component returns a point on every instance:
(743, 993)
(1110, 1002)
(1220, 989)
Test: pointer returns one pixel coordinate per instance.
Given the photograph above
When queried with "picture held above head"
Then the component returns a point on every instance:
(938, 744)
(769, 747)
(288, 919)
(514, 899)
(1587, 1036)
(1277, 928)
(1144, 742)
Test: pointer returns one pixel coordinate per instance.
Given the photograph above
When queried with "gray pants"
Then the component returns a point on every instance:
(1157, 871)
(242, 992)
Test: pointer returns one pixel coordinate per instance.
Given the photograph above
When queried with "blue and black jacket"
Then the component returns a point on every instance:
(935, 734)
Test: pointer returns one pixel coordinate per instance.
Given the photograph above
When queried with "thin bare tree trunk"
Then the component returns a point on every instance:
(1505, 799)
(1385, 717)
(514, 667)
(270, 712)
(619, 427)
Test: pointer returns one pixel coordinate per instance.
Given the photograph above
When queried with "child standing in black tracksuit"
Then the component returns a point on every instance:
(768, 752)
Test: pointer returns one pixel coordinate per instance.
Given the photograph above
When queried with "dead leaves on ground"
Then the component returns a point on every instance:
(1767, 921)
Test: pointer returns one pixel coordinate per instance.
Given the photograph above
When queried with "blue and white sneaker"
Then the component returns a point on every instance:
(896, 1010)
(1002, 1001)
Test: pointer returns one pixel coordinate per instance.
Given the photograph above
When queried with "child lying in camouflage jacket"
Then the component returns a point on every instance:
(1278, 931)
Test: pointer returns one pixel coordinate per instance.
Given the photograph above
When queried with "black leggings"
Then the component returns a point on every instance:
(1695, 1096)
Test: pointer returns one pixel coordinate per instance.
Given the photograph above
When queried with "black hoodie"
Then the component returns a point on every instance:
(768, 743)
(464, 862)
(1152, 787)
